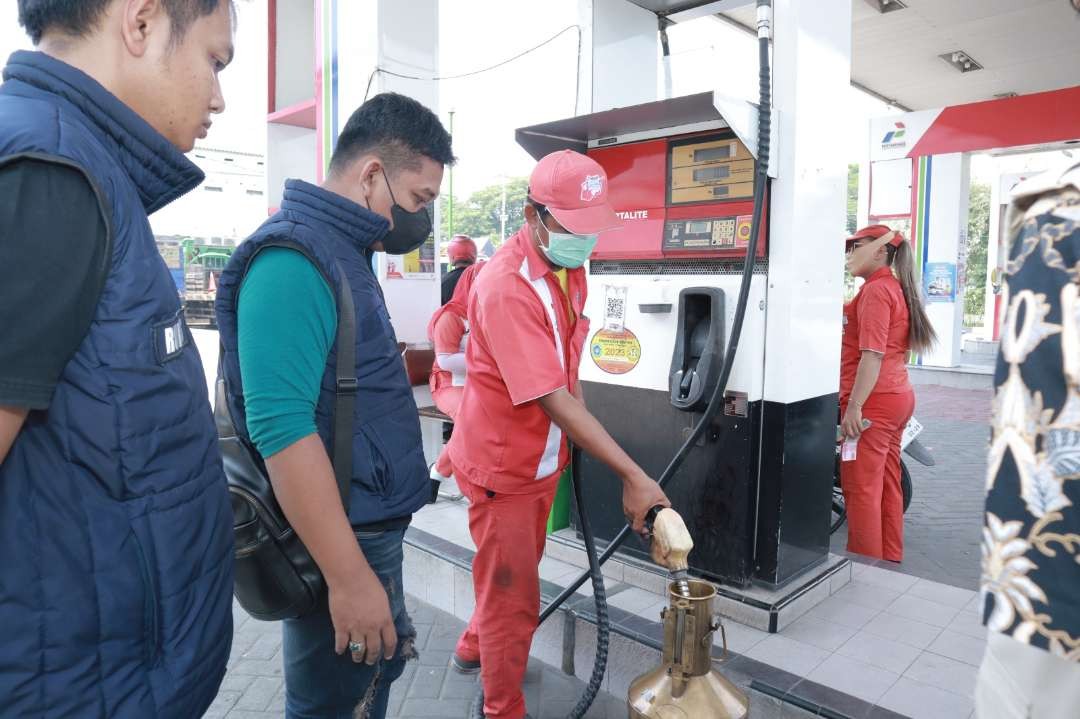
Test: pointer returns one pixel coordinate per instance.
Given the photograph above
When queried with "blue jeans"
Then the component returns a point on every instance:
(320, 684)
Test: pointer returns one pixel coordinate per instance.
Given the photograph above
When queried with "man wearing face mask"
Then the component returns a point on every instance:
(277, 312)
(520, 407)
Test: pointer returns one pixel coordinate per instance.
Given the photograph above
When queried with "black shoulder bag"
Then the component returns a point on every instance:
(275, 575)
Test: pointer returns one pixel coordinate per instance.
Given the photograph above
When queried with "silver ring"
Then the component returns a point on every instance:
(356, 647)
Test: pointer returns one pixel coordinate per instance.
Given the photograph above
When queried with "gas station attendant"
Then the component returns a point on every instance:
(520, 407)
(884, 321)
(448, 331)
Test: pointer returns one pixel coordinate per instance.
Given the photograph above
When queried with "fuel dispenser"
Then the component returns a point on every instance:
(662, 293)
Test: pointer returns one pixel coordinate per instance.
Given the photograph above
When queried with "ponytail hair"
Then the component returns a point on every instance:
(921, 335)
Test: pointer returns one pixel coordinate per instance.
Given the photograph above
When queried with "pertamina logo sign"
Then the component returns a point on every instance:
(894, 138)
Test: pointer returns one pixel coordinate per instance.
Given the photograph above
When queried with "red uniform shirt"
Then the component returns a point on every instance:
(523, 344)
(877, 319)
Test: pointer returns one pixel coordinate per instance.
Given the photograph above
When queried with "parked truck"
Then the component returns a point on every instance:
(172, 252)
(203, 264)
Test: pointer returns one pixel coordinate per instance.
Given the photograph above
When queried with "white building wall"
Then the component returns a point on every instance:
(230, 203)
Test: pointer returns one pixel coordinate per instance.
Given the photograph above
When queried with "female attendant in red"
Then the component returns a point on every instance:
(882, 324)
(448, 330)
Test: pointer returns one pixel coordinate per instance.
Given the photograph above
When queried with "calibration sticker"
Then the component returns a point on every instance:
(615, 352)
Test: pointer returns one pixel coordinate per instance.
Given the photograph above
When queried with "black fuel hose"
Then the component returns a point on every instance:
(603, 626)
(761, 181)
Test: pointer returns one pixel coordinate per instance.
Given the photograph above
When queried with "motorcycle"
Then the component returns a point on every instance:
(909, 445)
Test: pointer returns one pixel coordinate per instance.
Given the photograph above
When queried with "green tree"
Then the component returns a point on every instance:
(852, 197)
(978, 238)
(479, 216)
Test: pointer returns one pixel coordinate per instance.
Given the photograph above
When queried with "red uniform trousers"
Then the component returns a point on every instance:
(871, 482)
(509, 531)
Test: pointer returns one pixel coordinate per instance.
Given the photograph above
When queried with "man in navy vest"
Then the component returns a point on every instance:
(115, 527)
(277, 313)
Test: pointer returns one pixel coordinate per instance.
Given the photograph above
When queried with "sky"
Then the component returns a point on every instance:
(489, 107)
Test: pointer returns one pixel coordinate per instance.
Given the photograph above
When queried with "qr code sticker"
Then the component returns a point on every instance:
(616, 306)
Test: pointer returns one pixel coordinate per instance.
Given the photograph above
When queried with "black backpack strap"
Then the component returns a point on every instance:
(345, 387)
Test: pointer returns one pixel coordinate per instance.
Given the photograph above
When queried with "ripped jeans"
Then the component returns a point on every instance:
(320, 684)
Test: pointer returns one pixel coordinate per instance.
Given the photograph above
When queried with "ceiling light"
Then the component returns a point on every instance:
(961, 61)
(884, 6)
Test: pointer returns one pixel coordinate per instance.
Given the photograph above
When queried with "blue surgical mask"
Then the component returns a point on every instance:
(565, 249)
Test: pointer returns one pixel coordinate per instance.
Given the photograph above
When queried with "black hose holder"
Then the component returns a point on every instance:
(699, 348)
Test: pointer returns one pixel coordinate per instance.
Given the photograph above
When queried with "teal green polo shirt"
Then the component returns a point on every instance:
(287, 320)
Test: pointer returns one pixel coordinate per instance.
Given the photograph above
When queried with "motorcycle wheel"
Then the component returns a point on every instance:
(905, 484)
(839, 512)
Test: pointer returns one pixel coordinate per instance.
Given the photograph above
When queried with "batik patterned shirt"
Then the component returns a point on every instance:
(1031, 538)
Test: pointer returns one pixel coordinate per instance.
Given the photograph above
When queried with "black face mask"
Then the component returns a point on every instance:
(410, 229)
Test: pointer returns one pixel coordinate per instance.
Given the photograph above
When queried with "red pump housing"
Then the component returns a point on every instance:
(677, 205)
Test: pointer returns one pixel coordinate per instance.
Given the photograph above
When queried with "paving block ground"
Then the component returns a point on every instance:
(254, 687)
(943, 526)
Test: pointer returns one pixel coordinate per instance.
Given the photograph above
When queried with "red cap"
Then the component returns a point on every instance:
(875, 232)
(461, 248)
(574, 188)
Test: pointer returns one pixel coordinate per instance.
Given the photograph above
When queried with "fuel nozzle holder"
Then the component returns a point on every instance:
(699, 348)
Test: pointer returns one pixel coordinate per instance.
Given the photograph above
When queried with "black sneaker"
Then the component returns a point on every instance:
(464, 666)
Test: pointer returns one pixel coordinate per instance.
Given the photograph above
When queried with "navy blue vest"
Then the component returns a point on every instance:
(389, 475)
(115, 526)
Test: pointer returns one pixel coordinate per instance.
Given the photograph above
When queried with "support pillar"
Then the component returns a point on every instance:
(619, 49)
(940, 189)
(811, 68)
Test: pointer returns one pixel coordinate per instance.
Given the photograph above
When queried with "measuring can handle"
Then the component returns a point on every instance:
(715, 624)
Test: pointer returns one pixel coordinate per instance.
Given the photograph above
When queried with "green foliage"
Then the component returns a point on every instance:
(479, 215)
(978, 237)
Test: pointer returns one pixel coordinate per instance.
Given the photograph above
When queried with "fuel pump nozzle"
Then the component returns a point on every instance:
(671, 544)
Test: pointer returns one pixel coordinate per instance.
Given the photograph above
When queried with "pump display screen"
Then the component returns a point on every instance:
(709, 154)
(706, 169)
(712, 173)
